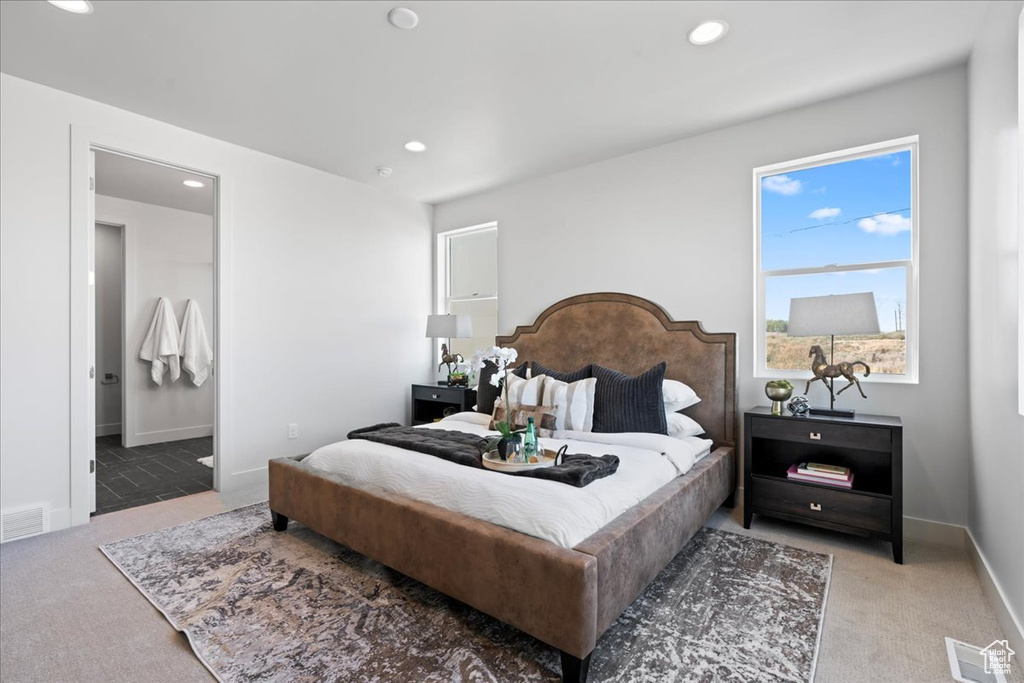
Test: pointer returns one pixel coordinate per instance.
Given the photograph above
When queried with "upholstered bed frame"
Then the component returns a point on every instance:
(564, 597)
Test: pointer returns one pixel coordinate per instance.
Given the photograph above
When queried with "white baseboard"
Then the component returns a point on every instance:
(1009, 622)
(164, 435)
(245, 487)
(60, 519)
(108, 429)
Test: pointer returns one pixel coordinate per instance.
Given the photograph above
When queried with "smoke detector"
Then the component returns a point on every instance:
(403, 18)
(384, 171)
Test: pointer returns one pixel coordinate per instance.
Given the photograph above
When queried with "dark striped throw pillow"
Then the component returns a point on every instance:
(629, 404)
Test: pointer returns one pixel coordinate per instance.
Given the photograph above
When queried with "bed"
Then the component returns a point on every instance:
(565, 597)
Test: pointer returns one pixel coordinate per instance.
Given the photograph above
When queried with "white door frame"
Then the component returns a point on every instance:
(83, 448)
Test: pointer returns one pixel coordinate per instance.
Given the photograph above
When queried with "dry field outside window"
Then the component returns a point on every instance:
(886, 353)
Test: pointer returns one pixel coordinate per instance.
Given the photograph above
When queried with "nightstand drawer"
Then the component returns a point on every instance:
(438, 393)
(838, 507)
(823, 433)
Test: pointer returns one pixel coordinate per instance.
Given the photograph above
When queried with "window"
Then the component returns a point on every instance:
(839, 223)
(468, 283)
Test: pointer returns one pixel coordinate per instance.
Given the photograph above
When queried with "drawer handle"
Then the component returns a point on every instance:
(435, 396)
(816, 507)
(815, 436)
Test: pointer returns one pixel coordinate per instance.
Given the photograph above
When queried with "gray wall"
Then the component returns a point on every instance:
(997, 429)
(674, 224)
(325, 282)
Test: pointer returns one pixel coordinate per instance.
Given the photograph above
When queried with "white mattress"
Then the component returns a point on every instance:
(562, 514)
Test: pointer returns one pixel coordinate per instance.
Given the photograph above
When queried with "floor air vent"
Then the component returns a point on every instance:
(967, 663)
(24, 522)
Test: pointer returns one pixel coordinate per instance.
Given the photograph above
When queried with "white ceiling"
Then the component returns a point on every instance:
(143, 181)
(499, 91)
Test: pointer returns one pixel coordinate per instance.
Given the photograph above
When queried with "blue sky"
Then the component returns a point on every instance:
(851, 212)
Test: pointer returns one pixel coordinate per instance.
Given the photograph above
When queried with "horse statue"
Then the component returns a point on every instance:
(823, 371)
(449, 359)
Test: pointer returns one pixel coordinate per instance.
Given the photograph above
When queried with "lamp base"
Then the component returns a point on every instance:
(832, 412)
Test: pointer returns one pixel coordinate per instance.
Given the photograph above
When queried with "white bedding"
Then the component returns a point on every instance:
(564, 515)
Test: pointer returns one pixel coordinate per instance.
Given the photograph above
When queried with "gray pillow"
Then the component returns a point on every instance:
(629, 404)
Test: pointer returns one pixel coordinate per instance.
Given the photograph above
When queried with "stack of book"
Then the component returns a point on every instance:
(817, 473)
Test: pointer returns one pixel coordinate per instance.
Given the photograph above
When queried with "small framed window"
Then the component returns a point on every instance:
(839, 223)
(468, 283)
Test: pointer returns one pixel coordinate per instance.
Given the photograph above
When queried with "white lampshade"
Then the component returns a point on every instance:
(835, 314)
(449, 326)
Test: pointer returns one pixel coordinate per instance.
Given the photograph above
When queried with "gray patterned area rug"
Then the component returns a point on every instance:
(257, 605)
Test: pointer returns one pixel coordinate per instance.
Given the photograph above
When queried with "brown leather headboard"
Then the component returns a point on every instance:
(630, 334)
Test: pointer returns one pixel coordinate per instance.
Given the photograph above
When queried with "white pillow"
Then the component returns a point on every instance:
(680, 426)
(677, 395)
(574, 403)
(526, 392)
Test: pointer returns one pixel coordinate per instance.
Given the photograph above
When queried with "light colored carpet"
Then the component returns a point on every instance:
(728, 607)
(67, 614)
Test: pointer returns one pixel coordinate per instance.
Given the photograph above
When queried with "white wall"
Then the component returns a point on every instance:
(997, 429)
(169, 253)
(329, 287)
(109, 269)
(673, 224)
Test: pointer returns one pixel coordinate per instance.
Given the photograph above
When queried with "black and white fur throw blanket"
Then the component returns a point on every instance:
(461, 448)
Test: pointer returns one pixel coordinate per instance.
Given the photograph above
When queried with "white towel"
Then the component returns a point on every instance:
(196, 352)
(161, 343)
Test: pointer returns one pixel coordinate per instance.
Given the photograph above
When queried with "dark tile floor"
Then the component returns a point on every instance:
(128, 477)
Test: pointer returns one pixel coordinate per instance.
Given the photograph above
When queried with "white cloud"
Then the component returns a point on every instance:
(825, 212)
(885, 224)
(782, 184)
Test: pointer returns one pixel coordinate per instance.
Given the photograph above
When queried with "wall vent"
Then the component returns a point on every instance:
(24, 522)
(967, 664)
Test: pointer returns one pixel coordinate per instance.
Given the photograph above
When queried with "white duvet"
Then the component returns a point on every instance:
(562, 514)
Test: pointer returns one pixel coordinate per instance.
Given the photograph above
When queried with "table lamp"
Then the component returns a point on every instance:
(835, 314)
(449, 327)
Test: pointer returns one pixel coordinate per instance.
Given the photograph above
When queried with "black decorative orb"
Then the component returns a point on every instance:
(798, 405)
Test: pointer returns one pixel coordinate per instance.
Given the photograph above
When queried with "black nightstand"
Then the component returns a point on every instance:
(431, 402)
(870, 445)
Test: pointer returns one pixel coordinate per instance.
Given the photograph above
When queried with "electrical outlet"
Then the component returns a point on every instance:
(293, 431)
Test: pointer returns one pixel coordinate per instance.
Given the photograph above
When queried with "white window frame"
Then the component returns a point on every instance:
(444, 296)
(911, 266)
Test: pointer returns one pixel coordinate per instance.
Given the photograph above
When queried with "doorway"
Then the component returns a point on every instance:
(153, 321)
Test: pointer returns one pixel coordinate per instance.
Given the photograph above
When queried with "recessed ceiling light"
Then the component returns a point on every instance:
(403, 18)
(192, 183)
(709, 32)
(415, 146)
(76, 6)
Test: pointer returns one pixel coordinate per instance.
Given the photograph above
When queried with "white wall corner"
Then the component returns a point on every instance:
(1009, 622)
(935, 533)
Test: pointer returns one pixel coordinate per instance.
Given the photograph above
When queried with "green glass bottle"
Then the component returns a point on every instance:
(530, 441)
